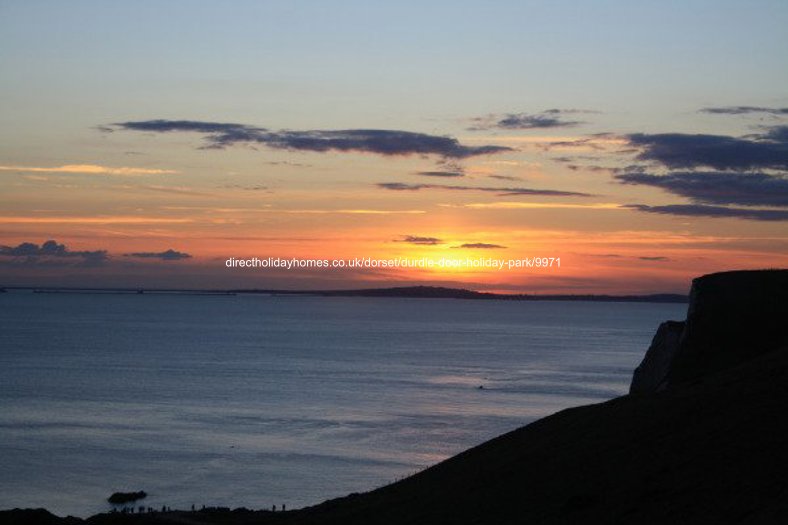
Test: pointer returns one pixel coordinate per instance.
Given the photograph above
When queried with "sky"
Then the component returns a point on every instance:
(142, 144)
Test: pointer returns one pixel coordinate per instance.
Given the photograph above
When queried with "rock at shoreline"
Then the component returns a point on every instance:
(126, 497)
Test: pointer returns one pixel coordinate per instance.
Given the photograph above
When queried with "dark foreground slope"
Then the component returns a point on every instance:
(709, 449)
(711, 452)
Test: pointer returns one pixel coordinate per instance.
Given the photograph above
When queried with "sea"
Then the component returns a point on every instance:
(257, 400)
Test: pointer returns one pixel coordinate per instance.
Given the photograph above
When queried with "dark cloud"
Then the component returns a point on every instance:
(594, 168)
(414, 239)
(480, 246)
(441, 173)
(169, 255)
(164, 126)
(721, 152)
(631, 168)
(654, 258)
(551, 118)
(749, 189)
(382, 142)
(702, 210)
(742, 110)
(503, 192)
(526, 121)
(51, 252)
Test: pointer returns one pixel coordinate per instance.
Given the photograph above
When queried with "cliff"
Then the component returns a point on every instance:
(732, 318)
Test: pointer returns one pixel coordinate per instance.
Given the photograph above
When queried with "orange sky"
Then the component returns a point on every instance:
(153, 144)
(332, 209)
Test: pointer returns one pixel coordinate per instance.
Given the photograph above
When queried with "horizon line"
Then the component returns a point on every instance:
(412, 291)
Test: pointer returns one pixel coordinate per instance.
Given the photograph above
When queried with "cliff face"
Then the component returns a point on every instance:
(733, 317)
(652, 373)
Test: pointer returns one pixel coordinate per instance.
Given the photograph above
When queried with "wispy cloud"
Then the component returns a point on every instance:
(541, 205)
(348, 212)
(590, 167)
(176, 190)
(307, 211)
(480, 246)
(382, 142)
(743, 110)
(653, 258)
(89, 169)
(585, 147)
(510, 178)
(288, 163)
(415, 239)
(116, 219)
(441, 173)
(702, 210)
(502, 192)
(252, 187)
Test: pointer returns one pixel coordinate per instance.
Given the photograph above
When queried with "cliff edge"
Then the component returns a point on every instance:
(732, 317)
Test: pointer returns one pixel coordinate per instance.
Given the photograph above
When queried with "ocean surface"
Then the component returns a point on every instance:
(258, 401)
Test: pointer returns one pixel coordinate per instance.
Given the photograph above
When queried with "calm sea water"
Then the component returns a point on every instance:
(254, 400)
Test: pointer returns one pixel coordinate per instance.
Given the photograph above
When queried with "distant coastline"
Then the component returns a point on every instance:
(409, 292)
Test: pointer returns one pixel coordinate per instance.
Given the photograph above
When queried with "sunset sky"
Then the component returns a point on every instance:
(642, 143)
